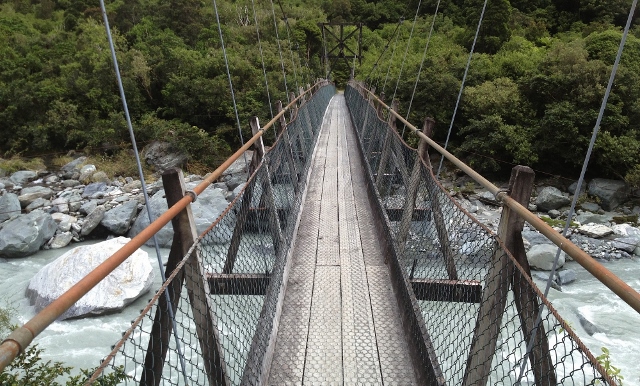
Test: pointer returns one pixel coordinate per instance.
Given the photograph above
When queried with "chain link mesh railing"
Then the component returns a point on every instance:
(226, 290)
(476, 305)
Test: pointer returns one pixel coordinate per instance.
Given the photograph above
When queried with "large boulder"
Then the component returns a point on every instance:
(25, 234)
(542, 257)
(206, 210)
(163, 156)
(127, 282)
(9, 206)
(92, 220)
(610, 192)
(118, 220)
(551, 198)
(23, 177)
(32, 193)
(73, 167)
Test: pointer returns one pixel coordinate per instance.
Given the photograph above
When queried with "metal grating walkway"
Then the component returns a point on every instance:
(339, 323)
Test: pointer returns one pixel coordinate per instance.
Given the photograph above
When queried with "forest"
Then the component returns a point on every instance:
(532, 94)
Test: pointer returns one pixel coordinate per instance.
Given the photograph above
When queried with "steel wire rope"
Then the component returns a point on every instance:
(233, 94)
(386, 47)
(464, 78)
(264, 69)
(406, 51)
(424, 56)
(393, 54)
(293, 62)
(275, 27)
(144, 188)
(585, 164)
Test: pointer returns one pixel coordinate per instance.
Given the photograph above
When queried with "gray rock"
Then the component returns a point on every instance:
(572, 188)
(37, 203)
(30, 194)
(8, 184)
(610, 192)
(206, 210)
(9, 206)
(542, 257)
(92, 220)
(60, 204)
(23, 177)
(75, 202)
(590, 206)
(52, 179)
(70, 183)
(551, 198)
(487, 198)
(240, 165)
(74, 165)
(566, 276)
(235, 180)
(118, 220)
(88, 207)
(554, 213)
(588, 218)
(61, 240)
(625, 230)
(627, 244)
(96, 187)
(25, 234)
(545, 278)
(588, 327)
(163, 156)
(595, 230)
(130, 186)
(61, 217)
(126, 283)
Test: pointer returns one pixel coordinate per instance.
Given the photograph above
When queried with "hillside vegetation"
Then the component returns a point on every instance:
(532, 94)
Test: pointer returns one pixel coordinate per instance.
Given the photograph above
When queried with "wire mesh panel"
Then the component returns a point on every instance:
(476, 307)
(226, 291)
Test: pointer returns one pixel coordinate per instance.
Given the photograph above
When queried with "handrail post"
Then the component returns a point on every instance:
(502, 273)
(294, 107)
(386, 148)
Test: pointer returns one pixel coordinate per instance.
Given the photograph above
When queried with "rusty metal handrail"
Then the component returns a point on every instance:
(606, 277)
(21, 337)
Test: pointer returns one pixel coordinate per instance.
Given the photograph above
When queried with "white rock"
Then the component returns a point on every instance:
(125, 284)
(595, 230)
(625, 230)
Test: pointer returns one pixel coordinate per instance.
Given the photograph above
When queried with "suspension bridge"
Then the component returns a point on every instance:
(343, 261)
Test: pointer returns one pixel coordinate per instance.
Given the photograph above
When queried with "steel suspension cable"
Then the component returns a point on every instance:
(574, 202)
(264, 69)
(293, 62)
(424, 56)
(386, 47)
(406, 51)
(393, 54)
(233, 94)
(275, 26)
(125, 107)
(464, 78)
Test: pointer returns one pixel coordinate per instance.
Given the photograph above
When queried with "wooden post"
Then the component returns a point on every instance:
(379, 108)
(294, 107)
(412, 192)
(527, 303)
(197, 289)
(500, 275)
(301, 92)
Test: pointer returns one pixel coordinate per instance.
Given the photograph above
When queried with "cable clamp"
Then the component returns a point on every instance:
(191, 194)
(496, 196)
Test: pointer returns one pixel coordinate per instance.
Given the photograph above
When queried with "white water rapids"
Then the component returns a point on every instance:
(82, 343)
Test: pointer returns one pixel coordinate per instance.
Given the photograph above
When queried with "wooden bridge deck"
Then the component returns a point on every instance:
(340, 322)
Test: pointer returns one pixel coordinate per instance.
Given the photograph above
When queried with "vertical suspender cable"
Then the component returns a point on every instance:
(393, 54)
(233, 94)
(293, 62)
(264, 70)
(587, 157)
(275, 26)
(144, 186)
(406, 51)
(464, 78)
(424, 56)
(386, 47)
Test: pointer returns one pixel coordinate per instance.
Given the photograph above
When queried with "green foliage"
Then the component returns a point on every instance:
(15, 164)
(605, 360)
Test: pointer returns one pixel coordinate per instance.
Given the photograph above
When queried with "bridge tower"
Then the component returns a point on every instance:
(341, 42)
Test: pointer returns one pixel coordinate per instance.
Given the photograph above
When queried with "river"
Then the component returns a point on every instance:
(82, 343)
